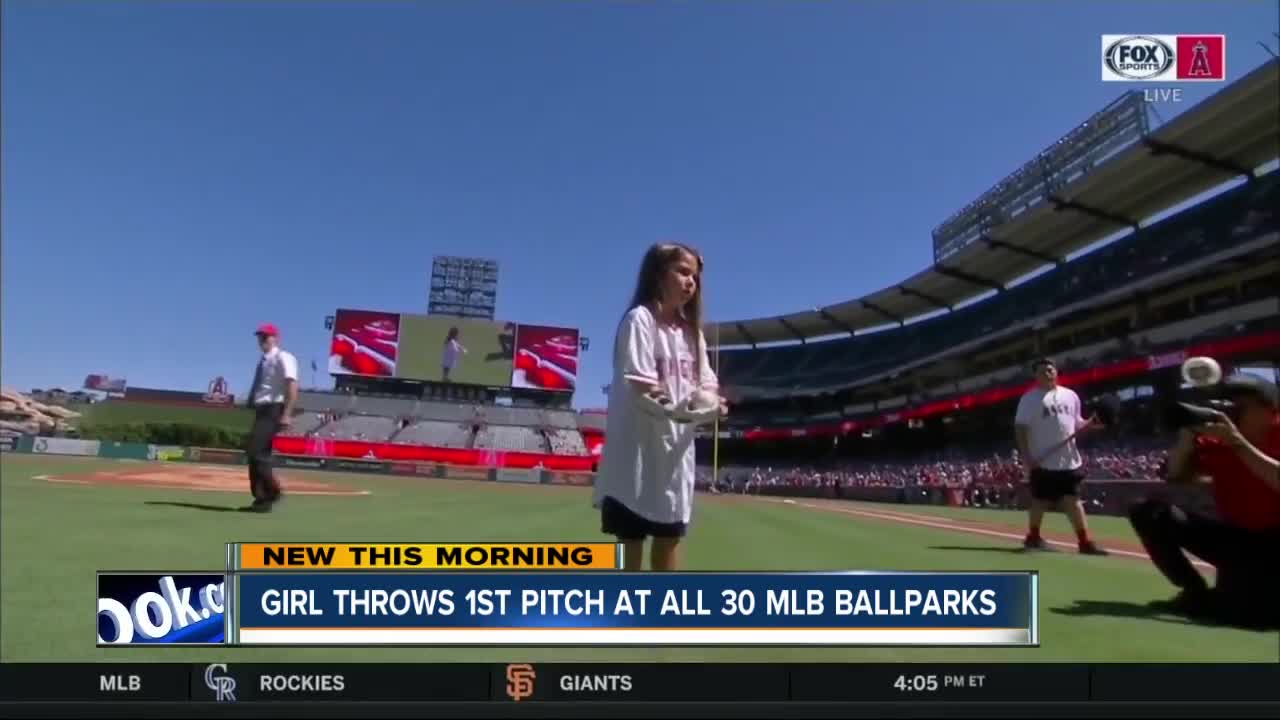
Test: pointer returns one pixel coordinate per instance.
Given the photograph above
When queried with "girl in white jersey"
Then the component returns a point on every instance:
(645, 484)
(453, 350)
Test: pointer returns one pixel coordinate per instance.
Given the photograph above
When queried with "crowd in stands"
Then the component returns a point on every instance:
(988, 477)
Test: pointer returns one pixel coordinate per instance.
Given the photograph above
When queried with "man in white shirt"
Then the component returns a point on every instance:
(1048, 421)
(272, 396)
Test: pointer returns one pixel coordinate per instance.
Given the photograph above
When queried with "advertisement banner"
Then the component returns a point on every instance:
(409, 468)
(65, 446)
(318, 447)
(570, 478)
(106, 384)
(169, 608)
(124, 451)
(460, 472)
(1171, 359)
(210, 455)
(359, 466)
(451, 457)
(517, 476)
(299, 462)
(8, 443)
(166, 453)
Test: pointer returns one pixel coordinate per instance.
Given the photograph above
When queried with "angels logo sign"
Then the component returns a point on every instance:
(218, 392)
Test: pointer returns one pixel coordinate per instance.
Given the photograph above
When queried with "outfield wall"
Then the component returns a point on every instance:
(393, 452)
(510, 473)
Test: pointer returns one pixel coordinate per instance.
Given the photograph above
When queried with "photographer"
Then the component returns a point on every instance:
(1239, 454)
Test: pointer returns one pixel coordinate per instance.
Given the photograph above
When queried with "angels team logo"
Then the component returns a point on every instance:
(218, 391)
(1164, 58)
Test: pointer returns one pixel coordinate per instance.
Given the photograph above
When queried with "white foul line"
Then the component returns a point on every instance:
(942, 525)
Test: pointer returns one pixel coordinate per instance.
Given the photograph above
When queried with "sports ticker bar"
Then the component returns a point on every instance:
(663, 682)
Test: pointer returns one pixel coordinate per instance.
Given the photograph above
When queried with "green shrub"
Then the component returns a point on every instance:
(183, 434)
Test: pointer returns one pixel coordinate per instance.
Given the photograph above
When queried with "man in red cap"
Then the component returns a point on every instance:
(272, 396)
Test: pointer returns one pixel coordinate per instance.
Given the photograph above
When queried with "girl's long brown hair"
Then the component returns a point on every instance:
(648, 292)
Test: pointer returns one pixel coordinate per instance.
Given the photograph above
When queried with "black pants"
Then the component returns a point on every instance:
(266, 423)
(1248, 586)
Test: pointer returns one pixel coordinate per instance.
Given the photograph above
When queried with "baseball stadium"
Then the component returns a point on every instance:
(876, 433)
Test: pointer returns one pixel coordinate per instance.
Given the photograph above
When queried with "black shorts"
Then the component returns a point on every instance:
(625, 524)
(1053, 485)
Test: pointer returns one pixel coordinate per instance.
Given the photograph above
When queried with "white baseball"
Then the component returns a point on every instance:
(703, 400)
(1201, 371)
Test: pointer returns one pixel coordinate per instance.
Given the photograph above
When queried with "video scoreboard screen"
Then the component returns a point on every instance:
(455, 350)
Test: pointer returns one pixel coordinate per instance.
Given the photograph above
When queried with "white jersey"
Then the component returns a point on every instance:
(452, 350)
(648, 462)
(1050, 416)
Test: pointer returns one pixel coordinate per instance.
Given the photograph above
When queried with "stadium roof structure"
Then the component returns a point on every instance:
(1227, 136)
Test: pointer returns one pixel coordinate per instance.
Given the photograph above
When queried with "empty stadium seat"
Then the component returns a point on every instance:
(436, 433)
(511, 437)
(368, 428)
(566, 442)
(304, 424)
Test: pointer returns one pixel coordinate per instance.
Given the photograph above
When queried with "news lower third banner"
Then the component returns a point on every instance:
(424, 556)
(547, 594)
(615, 608)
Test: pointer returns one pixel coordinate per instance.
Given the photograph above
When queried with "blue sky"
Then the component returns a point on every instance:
(317, 155)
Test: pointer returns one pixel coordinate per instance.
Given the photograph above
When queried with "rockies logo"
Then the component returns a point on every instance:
(223, 685)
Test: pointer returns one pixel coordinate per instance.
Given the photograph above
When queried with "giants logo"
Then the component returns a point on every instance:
(520, 677)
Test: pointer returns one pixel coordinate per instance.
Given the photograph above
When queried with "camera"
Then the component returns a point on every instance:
(1106, 408)
(1196, 411)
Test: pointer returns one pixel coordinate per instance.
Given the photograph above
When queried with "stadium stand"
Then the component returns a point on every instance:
(371, 428)
(305, 424)
(566, 442)
(1022, 271)
(510, 437)
(436, 433)
(1234, 221)
(592, 421)
(560, 419)
(413, 421)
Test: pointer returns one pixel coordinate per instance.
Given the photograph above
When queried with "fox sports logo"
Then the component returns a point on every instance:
(1139, 57)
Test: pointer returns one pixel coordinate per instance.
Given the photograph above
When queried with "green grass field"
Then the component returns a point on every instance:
(114, 412)
(53, 537)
